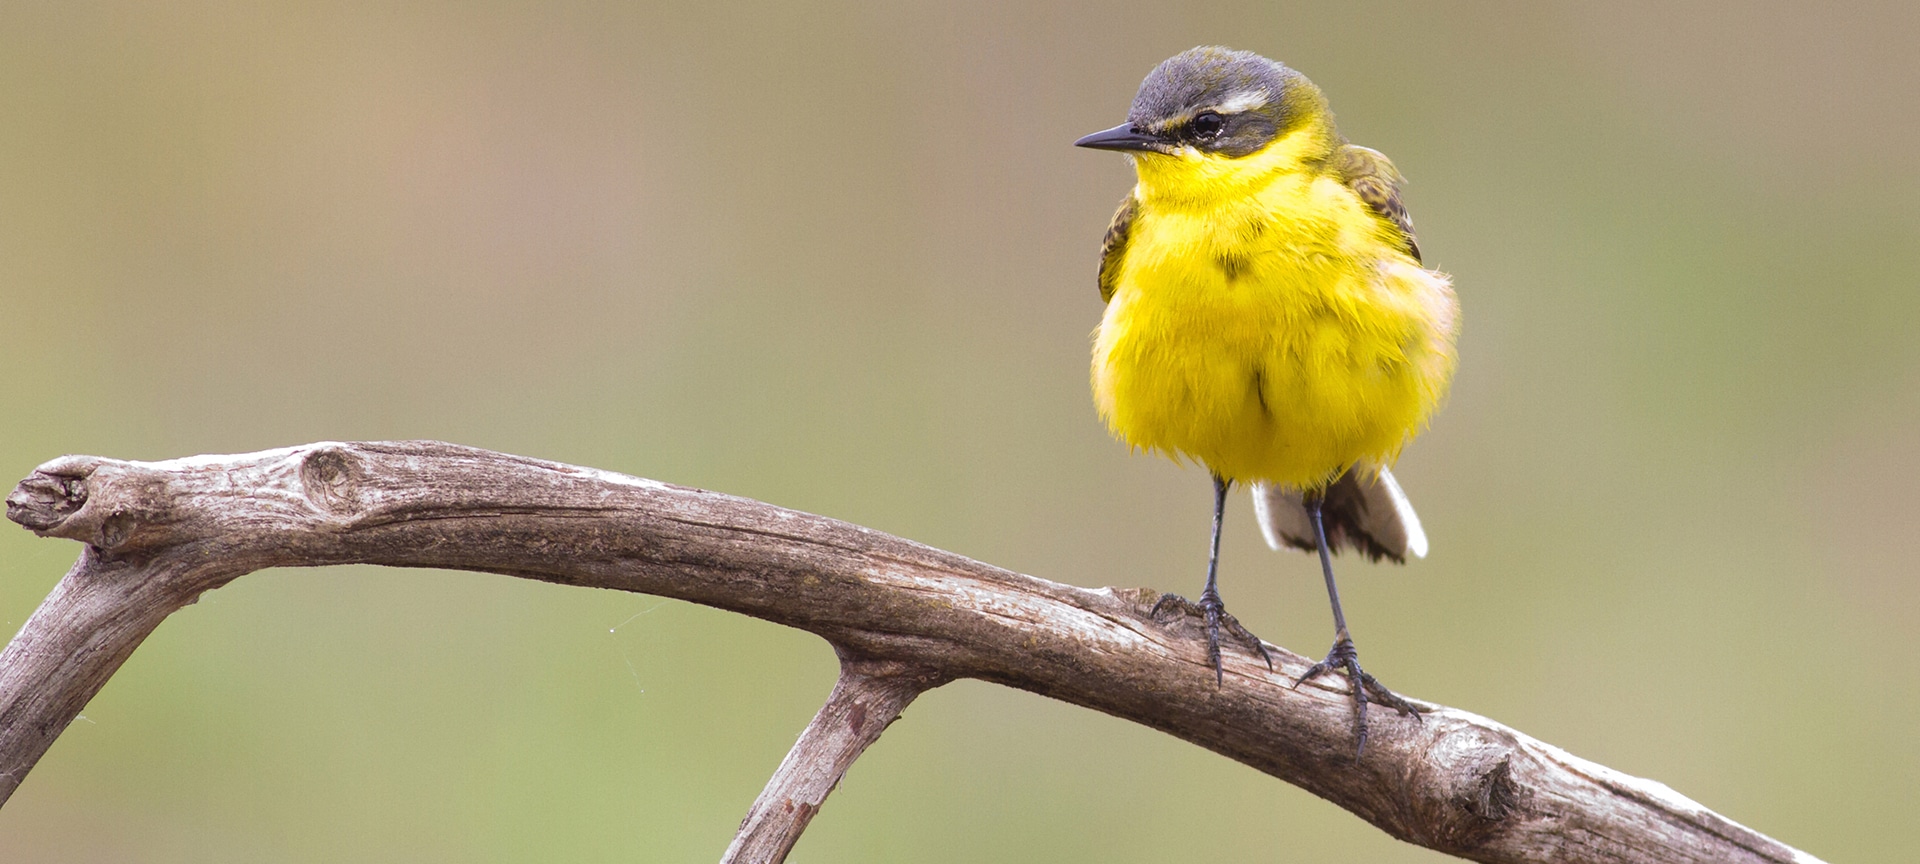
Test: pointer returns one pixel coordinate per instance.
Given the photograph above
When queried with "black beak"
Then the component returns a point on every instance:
(1123, 137)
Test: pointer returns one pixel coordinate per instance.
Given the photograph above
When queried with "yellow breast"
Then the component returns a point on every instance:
(1275, 337)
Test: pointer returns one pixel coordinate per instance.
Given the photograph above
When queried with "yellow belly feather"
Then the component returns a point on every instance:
(1278, 338)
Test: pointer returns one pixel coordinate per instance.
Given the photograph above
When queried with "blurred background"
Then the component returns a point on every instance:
(841, 258)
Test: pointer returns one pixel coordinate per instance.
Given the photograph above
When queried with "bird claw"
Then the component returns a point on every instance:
(1214, 612)
(1344, 658)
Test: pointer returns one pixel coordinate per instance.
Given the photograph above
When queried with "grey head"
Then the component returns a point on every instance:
(1214, 99)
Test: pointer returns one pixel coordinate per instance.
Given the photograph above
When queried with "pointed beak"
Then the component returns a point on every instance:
(1123, 137)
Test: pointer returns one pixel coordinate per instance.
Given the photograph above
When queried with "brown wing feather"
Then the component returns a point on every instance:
(1371, 175)
(1114, 246)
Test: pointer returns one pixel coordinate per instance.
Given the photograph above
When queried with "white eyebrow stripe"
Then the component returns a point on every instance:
(1245, 100)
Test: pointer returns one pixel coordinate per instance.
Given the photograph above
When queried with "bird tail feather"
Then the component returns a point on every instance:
(1362, 511)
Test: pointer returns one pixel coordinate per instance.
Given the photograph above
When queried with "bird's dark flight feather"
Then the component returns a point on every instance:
(1114, 246)
(1371, 175)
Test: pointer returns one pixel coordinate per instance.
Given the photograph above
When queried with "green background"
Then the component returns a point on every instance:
(841, 258)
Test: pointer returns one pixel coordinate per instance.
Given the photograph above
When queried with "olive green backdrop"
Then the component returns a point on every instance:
(841, 259)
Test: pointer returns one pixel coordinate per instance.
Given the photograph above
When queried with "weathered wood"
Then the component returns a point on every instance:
(868, 697)
(161, 533)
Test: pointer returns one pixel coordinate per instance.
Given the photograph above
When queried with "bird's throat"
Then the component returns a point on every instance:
(1189, 179)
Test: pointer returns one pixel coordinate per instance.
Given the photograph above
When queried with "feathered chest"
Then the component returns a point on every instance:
(1279, 338)
(1301, 246)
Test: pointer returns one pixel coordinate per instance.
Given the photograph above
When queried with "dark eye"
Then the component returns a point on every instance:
(1207, 126)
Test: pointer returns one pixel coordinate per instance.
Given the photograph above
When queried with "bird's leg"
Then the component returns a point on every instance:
(1343, 657)
(1210, 606)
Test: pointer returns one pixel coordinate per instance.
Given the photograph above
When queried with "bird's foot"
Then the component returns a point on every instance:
(1343, 658)
(1215, 613)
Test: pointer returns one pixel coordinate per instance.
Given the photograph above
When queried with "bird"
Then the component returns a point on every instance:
(1268, 316)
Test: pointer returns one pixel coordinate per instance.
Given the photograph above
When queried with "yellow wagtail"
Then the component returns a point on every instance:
(1268, 316)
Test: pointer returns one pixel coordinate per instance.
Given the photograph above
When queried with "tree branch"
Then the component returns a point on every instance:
(159, 534)
(868, 697)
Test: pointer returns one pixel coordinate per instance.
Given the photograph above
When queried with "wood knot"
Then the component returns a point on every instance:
(1478, 795)
(44, 500)
(1496, 796)
(329, 476)
(115, 529)
(53, 492)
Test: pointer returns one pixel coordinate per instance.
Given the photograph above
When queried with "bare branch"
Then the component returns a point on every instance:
(868, 697)
(161, 533)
